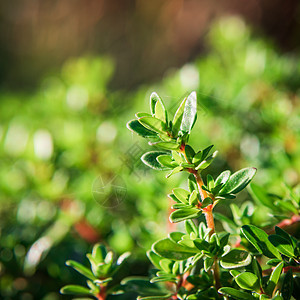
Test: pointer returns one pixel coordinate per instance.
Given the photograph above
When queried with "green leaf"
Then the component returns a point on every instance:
(165, 160)
(150, 160)
(286, 205)
(222, 178)
(184, 214)
(201, 244)
(136, 127)
(175, 171)
(285, 235)
(206, 163)
(227, 223)
(143, 286)
(168, 249)
(207, 201)
(210, 182)
(259, 239)
(159, 109)
(142, 114)
(181, 194)
(238, 181)
(193, 199)
(197, 157)
(176, 156)
(153, 124)
(274, 278)
(283, 245)
(260, 196)
(189, 152)
(208, 262)
(236, 259)
(157, 106)
(154, 258)
(288, 285)
(166, 145)
(192, 183)
(81, 269)
(189, 113)
(75, 289)
(190, 227)
(257, 270)
(205, 152)
(166, 265)
(99, 253)
(248, 281)
(235, 294)
(175, 236)
(178, 118)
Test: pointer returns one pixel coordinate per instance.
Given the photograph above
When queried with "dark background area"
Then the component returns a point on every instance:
(37, 36)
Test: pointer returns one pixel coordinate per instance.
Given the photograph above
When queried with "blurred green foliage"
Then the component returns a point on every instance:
(63, 143)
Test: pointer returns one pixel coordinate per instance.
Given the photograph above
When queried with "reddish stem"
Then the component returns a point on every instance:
(102, 294)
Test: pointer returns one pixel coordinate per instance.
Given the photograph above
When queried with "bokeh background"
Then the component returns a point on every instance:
(74, 72)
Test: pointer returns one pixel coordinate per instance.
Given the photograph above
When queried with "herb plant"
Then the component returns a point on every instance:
(243, 262)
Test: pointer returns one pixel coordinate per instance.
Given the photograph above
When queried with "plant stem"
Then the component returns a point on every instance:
(208, 210)
(217, 274)
(102, 294)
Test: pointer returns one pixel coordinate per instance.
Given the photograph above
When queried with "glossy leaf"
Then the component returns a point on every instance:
(136, 127)
(238, 181)
(206, 163)
(175, 171)
(150, 159)
(168, 249)
(236, 259)
(184, 214)
(181, 194)
(166, 145)
(190, 227)
(160, 110)
(222, 178)
(142, 114)
(153, 124)
(259, 239)
(165, 160)
(235, 294)
(189, 152)
(189, 113)
(178, 118)
(274, 278)
(205, 152)
(75, 290)
(248, 281)
(154, 258)
(175, 236)
(81, 269)
(283, 245)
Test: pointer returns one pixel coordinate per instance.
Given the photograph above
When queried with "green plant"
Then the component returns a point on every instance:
(201, 262)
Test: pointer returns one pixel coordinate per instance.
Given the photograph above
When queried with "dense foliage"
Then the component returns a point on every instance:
(57, 142)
